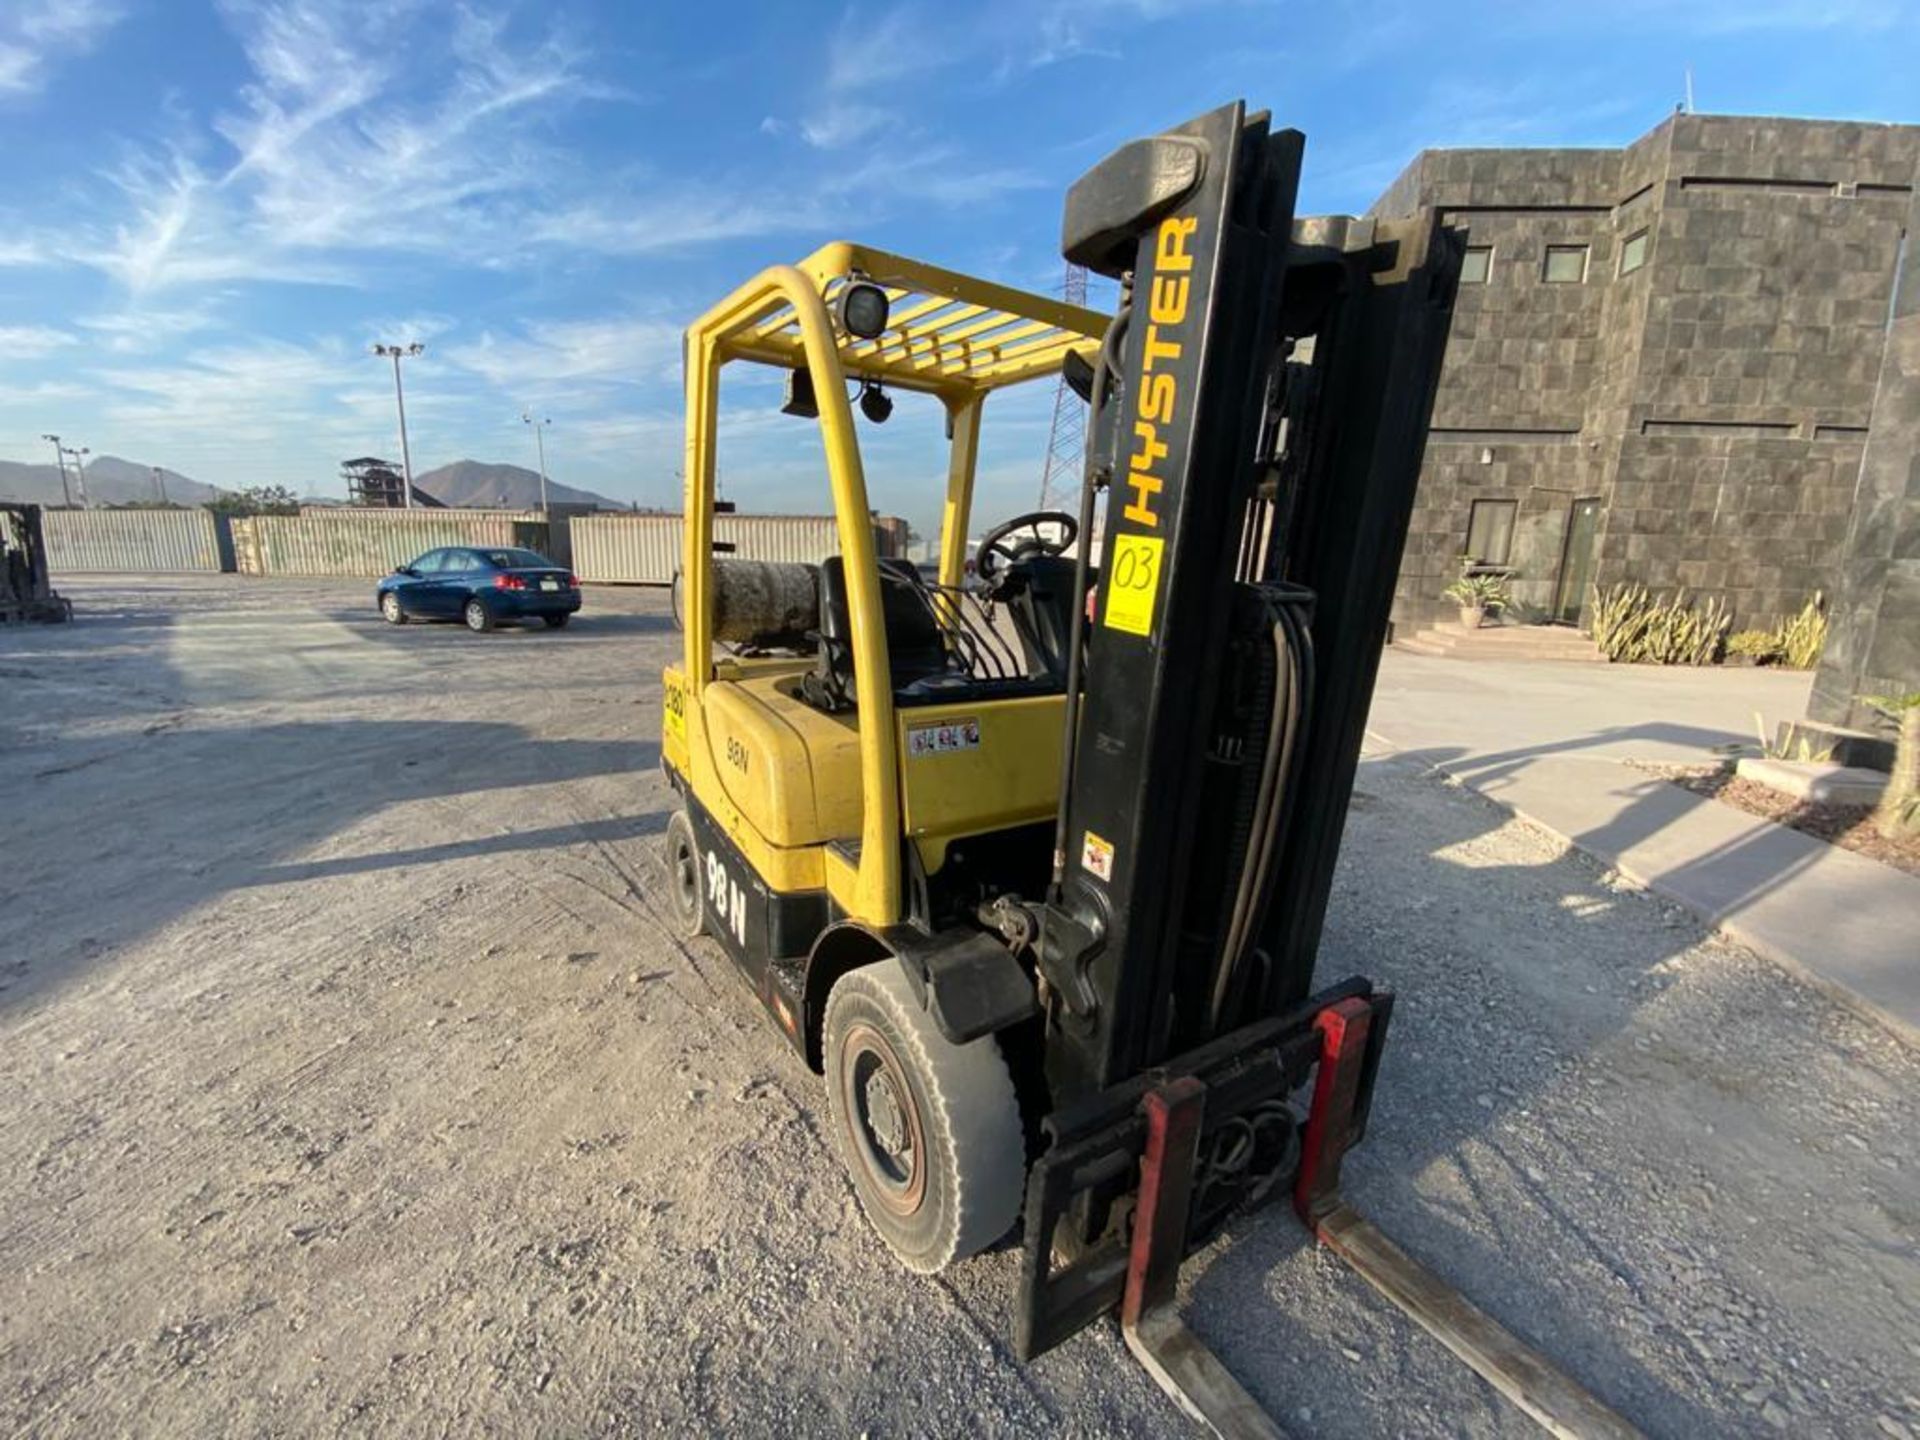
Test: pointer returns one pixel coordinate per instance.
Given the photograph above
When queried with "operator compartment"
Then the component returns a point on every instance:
(978, 686)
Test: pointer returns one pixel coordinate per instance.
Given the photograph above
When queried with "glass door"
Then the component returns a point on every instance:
(1576, 563)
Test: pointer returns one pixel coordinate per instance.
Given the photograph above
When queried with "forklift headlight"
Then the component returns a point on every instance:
(861, 308)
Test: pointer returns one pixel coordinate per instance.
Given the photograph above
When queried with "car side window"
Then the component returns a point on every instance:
(452, 562)
(428, 563)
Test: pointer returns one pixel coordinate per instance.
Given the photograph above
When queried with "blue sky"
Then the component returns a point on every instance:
(210, 209)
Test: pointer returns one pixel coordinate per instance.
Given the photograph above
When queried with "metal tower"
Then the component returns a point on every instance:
(1067, 441)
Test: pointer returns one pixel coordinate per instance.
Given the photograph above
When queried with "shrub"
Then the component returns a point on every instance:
(1630, 623)
(1803, 637)
(1803, 749)
(1760, 646)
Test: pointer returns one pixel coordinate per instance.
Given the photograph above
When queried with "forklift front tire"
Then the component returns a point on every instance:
(684, 883)
(929, 1131)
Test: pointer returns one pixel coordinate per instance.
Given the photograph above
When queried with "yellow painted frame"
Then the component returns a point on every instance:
(950, 334)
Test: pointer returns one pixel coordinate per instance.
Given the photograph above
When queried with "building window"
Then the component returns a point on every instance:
(1566, 265)
(1490, 531)
(1477, 268)
(1633, 253)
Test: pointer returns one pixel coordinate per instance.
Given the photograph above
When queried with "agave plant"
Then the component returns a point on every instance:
(1479, 592)
(1630, 623)
(1802, 638)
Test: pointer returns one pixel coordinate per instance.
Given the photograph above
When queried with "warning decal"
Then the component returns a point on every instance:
(1096, 856)
(943, 737)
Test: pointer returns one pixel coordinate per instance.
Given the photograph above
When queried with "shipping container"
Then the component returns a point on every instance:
(372, 542)
(132, 541)
(645, 549)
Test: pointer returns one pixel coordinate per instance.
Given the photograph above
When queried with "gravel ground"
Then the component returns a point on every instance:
(354, 1086)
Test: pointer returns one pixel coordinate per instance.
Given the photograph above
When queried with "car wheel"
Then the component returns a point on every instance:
(478, 617)
(556, 622)
(390, 610)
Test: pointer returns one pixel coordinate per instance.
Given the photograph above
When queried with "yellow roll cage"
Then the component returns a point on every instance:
(947, 334)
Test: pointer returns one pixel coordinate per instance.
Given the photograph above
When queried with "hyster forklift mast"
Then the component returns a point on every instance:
(1259, 411)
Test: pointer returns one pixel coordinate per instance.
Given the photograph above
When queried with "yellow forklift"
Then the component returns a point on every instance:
(1029, 857)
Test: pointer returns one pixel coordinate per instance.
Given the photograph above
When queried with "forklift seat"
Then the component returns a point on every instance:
(1042, 602)
(916, 645)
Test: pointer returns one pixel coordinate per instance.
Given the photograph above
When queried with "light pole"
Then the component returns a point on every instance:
(80, 471)
(160, 483)
(540, 444)
(397, 352)
(60, 459)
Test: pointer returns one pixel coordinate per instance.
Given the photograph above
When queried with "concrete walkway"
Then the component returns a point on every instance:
(1548, 742)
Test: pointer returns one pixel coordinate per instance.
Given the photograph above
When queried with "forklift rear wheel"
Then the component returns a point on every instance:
(930, 1131)
(683, 878)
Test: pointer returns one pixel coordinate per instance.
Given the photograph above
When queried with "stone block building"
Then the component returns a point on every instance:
(1663, 361)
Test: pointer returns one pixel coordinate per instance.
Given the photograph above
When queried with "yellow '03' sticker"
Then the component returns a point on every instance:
(1134, 583)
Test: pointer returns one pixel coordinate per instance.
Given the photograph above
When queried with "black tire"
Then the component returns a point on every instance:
(556, 622)
(390, 609)
(929, 1131)
(478, 617)
(686, 887)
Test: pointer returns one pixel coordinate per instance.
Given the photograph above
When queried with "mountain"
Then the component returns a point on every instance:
(109, 480)
(513, 487)
(113, 480)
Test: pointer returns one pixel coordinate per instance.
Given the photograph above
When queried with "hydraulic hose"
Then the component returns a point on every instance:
(1293, 655)
(1265, 808)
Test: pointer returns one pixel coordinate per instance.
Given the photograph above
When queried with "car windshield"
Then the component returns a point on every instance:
(515, 560)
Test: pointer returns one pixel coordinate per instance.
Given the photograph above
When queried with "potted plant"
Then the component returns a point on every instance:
(1476, 595)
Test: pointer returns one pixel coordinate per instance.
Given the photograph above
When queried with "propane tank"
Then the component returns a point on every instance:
(767, 604)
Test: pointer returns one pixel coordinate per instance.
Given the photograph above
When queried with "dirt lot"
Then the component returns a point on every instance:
(352, 1086)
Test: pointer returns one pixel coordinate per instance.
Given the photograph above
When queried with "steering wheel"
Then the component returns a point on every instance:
(996, 553)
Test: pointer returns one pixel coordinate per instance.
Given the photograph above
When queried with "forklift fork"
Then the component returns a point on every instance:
(1350, 1032)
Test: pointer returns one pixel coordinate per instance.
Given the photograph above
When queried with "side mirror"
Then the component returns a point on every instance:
(405, 570)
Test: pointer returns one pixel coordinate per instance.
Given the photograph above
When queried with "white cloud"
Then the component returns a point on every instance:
(935, 174)
(629, 352)
(1731, 17)
(643, 219)
(16, 251)
(361, 130)
(24, 342)
(903, 41)
(137, 329)
(37, 34)
(842, 123)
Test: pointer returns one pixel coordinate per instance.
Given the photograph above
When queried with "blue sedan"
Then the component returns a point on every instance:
(481, 585)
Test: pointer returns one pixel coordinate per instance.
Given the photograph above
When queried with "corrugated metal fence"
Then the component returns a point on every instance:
(615, 548)
(132, 540)
(371, 542)
(645, 549)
